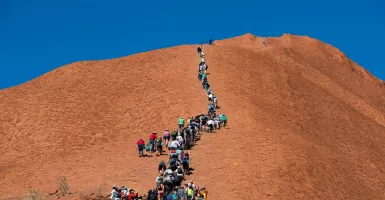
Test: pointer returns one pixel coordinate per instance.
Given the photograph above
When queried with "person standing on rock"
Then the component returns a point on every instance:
(166, 136)
(224, 119)
(199, 49)
(140, 143)
(180, 123)
(152, 141)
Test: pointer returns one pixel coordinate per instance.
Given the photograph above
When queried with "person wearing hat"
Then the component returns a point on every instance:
(166, 135)
(152, 141)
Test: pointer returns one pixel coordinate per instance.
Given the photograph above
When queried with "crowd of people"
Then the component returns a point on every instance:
(169, 184)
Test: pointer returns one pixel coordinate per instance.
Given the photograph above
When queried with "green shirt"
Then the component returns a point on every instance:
(181, 121)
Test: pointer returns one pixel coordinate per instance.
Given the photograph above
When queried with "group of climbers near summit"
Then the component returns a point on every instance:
(168, 185)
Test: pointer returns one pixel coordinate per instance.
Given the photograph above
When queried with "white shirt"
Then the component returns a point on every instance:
(203, 60)
(210, 96)
(210, 122)
(179, 139)
(174, 144)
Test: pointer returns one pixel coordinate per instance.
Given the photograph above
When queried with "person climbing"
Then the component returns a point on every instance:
(159, 179)
(140, 144)
(209, 91)
(210, 125)
(210, 97)
(162, 167)
(174, 134)
(211, 42)
(224, 119)
(216, 101)
(190, 193)
(152, 195)
(152, 141)
(200, 76)
(132, 195)
(160, 188)
(159, 146)
(203, 193)
(186, 165)
(114, 193)
(166, 135)
(179, 138)
(199, 49)
(206, 85)
(204, 77)
(203, 59)
(124, 193)
(180, 123)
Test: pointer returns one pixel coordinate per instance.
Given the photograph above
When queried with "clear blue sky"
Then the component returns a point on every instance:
(39, 36)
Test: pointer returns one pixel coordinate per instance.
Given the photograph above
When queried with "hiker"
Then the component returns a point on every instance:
(140, 144)
(210, 125)
(209, 91)
(132, 195)
(199, 49)
(166, 135)
(210, 97)
(211, 42)
(203, 59)
(180, 123)
(203, 193)
(204, 77)
(152, 195)
(224, 119)
(190, 193)
(160, 188)
(206, 85)
(162, 167)
(186, 165)
(159, 146)
(114, 193)
(152, 141)
(179, 138)
(124, 193)
(216, 101)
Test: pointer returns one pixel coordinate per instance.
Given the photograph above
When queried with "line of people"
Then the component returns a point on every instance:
(168, 185)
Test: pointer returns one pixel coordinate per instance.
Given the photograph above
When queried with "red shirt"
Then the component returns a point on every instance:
(132, 196)
(140, 142)
(153, 137)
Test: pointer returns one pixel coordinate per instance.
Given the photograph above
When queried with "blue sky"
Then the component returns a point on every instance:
(39, 36)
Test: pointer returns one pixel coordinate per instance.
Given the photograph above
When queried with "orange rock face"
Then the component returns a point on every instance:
(305, 122)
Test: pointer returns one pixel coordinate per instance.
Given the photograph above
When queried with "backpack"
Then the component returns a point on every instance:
(172, 161)
(174, 197)
(180, 171)
(174, 133)
(160, 179)
(185, 160)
